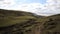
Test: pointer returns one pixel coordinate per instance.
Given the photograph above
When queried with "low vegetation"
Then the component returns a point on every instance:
(20, 22)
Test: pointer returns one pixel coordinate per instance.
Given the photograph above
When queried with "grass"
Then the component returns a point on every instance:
(7, 21)
(27, 22)
(51, 25)
(8, 18)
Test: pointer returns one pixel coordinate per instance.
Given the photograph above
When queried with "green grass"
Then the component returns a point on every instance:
(7, 21)
(51, 24)
(10, 17)
(47, 25)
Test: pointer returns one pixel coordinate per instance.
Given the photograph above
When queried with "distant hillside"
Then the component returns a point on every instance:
(10, 17)
(14, 13)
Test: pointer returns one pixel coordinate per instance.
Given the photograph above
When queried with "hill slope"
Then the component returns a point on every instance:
(51, 25)
(10, 17)
(15, 22)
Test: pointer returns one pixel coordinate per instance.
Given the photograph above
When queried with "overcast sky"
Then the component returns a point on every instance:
(40, 7)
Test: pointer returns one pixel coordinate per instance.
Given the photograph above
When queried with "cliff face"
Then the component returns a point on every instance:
(15, 22)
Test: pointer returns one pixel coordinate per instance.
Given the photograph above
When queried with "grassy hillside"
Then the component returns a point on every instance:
(14, 22)
(51, 25)
(20, 22)
(10, 17)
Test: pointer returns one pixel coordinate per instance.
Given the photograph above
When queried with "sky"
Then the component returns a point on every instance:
(39, 7)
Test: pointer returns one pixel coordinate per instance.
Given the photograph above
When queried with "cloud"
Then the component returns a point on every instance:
(49, 8)
(6, 3)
